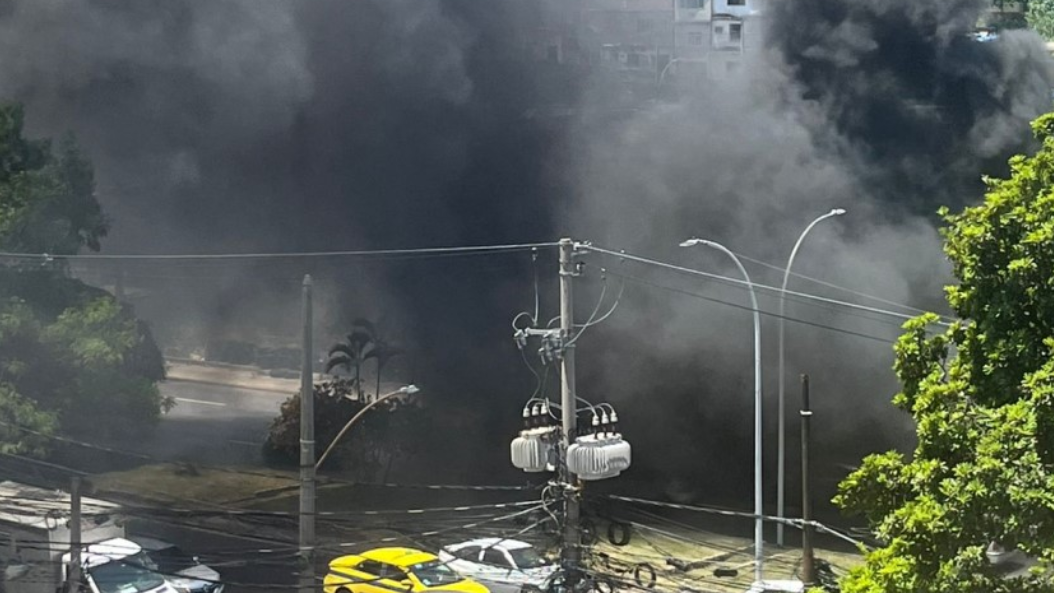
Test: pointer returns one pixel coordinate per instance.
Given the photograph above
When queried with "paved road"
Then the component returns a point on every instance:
(214, 423)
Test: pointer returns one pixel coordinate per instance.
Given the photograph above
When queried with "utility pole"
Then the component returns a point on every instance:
(307, 450)
(570, 553)
(73, 572)
(808, 561)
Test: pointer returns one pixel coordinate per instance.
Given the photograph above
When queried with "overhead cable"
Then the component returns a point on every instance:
(745, 284)
(422, 251)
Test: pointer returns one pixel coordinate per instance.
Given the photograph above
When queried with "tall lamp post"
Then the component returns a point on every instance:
(404, 390)
(758, 509)
(782, 421)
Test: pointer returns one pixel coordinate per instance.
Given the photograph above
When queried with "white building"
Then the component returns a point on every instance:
(711, 36)
(35, 532)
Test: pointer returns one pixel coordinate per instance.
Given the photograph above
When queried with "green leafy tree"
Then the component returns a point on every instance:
(24, 428)
(982, 397)
(71, 357)
(47, 200)
(1040, 16)
(391, 429)
(106, 395)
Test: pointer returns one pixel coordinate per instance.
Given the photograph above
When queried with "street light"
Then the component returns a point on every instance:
(782, 421)
(404, 390)
(758, 510)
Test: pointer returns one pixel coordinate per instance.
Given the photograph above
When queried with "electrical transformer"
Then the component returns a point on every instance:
(598, 456)
(534, 450)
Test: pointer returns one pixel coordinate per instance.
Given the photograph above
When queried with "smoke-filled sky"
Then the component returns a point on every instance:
(266, 125)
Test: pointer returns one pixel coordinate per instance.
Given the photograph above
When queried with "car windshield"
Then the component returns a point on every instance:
(527, 558)
(172, 560)
(434, 573)
(134, 574)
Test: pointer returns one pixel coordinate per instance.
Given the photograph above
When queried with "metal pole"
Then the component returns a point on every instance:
(759, 543)
(808, 560)
(570, 553)
(73, 573)
(307, 450)
(781, 435)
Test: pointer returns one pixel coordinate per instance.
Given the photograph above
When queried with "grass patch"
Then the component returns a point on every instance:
(190, 486)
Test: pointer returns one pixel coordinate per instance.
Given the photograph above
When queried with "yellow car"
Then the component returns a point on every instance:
(399, 570)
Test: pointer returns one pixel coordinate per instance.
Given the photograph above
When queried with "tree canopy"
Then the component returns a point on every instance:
(71, 357)
(392, 429)
(1040, 16)
(981, 393)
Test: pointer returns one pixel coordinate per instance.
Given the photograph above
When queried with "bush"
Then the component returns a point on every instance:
(385, 433)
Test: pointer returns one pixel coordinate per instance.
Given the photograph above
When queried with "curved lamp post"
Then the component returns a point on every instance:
(781, 414)
(758, 510)
(404, 390)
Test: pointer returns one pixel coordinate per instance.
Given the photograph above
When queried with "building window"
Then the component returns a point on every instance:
(695, 38)
(719, 30)
(691, 4)
(737, 2)
(735, 32)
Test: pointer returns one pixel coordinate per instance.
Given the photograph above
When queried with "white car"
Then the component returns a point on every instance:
(183, 571)
(501, 564)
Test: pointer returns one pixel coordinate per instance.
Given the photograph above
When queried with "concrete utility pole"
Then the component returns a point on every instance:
(570, 554)
(808, 561)
(73, 572)
(307, 451)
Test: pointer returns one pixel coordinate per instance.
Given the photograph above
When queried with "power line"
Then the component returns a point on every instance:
(799, 523)
(49, 465)
(422, 251)
(747, 308)
(877, 299)
(168, 510)
(744, 284)
(261, 474)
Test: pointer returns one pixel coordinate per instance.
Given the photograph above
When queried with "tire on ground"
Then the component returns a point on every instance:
(644, 575)
(619, 533)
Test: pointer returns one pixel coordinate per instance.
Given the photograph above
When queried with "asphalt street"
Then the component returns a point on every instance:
(214, 423)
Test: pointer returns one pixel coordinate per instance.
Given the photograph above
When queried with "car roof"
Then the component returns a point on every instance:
(496, 542)
(108, 551)
(398, 556)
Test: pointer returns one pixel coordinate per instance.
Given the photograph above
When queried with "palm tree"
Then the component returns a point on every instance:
(360, 346)
(383, 352)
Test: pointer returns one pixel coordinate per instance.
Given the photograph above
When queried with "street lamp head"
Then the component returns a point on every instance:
(691, 242)
(409, 389)
(838, 212)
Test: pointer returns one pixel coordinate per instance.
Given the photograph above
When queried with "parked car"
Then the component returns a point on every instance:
(507, 562)
(384, 570)
(117, 565)
(183, 571)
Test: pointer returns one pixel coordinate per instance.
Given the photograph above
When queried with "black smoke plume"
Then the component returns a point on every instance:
(266, 125)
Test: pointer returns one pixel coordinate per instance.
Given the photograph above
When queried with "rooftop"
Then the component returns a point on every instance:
(41, 508)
